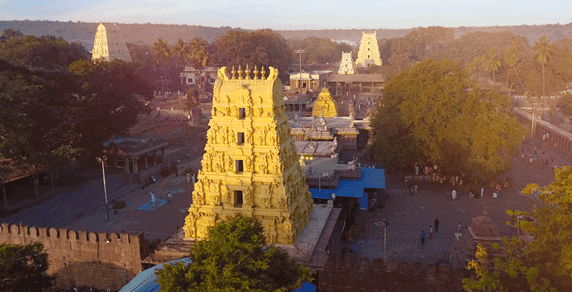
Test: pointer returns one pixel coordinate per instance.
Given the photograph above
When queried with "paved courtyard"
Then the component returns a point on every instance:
(409, 215)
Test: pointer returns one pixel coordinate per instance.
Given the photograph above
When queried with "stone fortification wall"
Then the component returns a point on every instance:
(342, 275)
(81, 257)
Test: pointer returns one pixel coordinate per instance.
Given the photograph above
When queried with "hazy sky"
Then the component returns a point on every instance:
(296, 14)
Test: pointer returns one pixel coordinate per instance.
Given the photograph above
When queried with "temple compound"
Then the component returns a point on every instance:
(368, 53)
(324, 105)
(347, 64)
(250, 165)
(109, 44)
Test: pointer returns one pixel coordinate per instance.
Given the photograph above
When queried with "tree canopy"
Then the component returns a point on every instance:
(434, 113)
(23, 268)
(234, 259)
(543, 263)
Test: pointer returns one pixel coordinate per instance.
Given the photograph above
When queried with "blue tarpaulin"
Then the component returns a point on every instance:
(370, 178)
(146, 281)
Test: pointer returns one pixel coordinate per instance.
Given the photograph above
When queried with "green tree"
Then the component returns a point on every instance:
(491, 62)
(234, 259)
(181, 51)
(161, 54)
(543, 261)
(543, 53)
(23, 268)
(512, 56)
(199, 57)
(433, 112)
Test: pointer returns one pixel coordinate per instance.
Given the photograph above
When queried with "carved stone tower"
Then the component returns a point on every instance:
(109, 44)
(324, 105)
(346, 65)
(368, 53)
(250, 165)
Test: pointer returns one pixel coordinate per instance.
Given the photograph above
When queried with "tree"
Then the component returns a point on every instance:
(199, 57)
(234, 259)
(161, 55)
(545, 262)
(512, 56)
(433, 112)
(181, 51)
(23, 268)
(491, 62)
(543, 54)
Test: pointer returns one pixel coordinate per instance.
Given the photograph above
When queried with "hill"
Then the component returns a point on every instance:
(148, 33)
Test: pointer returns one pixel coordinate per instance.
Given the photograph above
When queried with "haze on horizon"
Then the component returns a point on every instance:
(297, 14)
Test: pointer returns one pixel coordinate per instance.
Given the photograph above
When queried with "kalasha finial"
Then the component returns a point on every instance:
(255, 73)
(233, 73)
(247, 73)
(262, 73)
(240, 77)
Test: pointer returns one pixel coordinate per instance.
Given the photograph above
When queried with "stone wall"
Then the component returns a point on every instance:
(341, 274)
(81, 257)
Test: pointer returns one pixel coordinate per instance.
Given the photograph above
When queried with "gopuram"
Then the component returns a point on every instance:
(250, 165)
(324, 105)
(368, 53)
(347, 64)
(109, 44)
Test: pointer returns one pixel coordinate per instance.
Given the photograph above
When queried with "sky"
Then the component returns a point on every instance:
(296, 14)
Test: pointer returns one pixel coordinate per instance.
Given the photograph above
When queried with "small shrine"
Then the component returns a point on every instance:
(324, 105)
(368, 53)
(482, 230)
(109, 44)
(250, 165)
(347, 64)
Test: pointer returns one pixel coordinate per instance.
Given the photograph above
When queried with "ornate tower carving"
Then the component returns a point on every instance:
(324, 105)
(250, 165)
(347, 64)
(368, 53)
(109, 44)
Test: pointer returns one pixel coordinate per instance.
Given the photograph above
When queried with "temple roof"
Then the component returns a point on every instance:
(483, 226)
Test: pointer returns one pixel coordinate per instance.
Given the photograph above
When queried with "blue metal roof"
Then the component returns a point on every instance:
(370, 178)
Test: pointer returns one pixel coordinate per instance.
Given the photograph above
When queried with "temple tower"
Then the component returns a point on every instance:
(250, 165)
(324, 105)
(109, 44)
(347, 64)
(368, 53)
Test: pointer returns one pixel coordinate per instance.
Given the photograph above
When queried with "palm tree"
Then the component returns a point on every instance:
(161, 55)
(181, 51)
(200, 58)
(491, 62)
(512, 57)
(543, 53)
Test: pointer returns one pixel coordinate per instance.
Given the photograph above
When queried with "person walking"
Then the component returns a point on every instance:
(430, 232)
(482, 192)
(170, 197)
(416, 169)
(459, 228)
(423, 237)
(436, 223)
(454, 194)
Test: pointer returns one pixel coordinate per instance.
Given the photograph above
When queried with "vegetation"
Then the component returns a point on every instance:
(23, 268)
(234, 259)
(319, 50)
(119, 205)
(543, 263)
(434, 113)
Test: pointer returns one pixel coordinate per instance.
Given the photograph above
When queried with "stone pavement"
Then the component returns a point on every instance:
(409, 215)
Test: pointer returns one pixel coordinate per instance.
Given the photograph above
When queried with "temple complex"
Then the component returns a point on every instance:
(324, 105)
(109, 44)
(347, 64)
(368, 53)
(250, 164)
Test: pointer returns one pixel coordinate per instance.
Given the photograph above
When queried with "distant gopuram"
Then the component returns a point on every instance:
(324, 105)
(347, 64)
(250, 165)
(368, 53)
(109, 44)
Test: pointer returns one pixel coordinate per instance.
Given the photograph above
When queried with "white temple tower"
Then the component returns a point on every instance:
(347, 64)
(368, 53)
(109, 44)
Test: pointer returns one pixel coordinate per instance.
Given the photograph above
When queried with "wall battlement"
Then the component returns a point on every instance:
(65, 246)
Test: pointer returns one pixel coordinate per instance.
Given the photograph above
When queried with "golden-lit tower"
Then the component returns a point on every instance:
(109, 44)
(368, 53)
(250, 165)
(324, 105)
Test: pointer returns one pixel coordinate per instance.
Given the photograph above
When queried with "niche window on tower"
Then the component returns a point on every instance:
(241, 113)
(239, 166)
(240, 138)
(238, 199)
